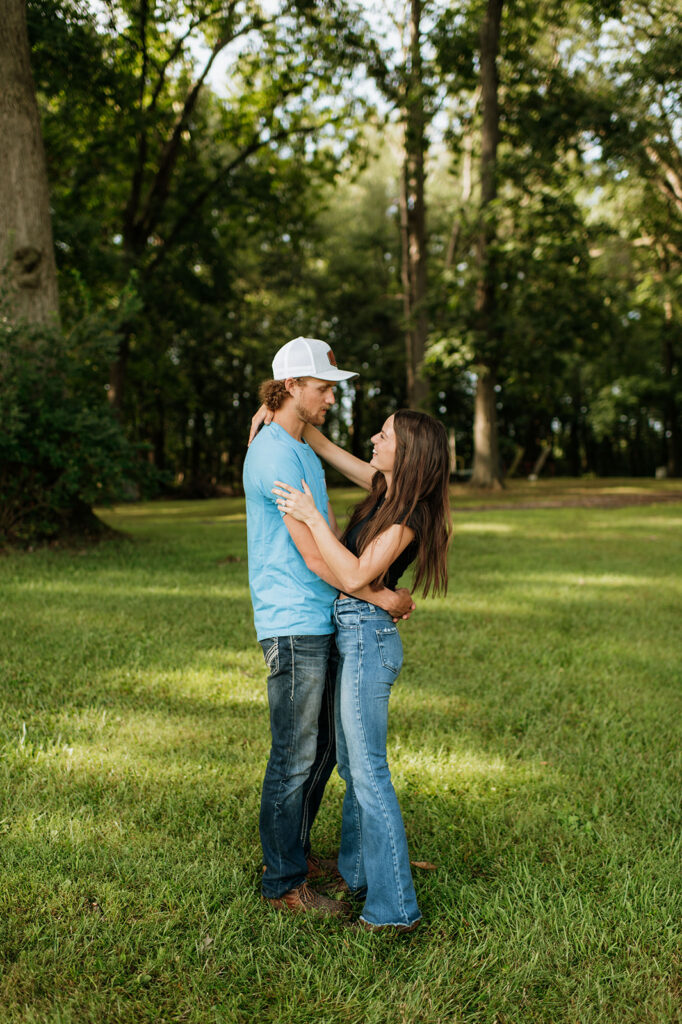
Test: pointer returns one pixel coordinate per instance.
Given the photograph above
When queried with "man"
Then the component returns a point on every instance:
(293, 593)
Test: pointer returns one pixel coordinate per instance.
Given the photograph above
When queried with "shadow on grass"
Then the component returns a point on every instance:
(61, 644)
(552, 661)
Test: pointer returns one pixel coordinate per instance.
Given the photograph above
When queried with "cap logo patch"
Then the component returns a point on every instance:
(331, 357)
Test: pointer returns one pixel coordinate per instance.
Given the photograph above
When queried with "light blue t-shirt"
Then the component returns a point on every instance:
(288, 599)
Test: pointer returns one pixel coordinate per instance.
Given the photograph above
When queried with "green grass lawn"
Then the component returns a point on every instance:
(535, 747)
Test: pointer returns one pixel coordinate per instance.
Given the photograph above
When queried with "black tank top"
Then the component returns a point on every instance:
(398, 567)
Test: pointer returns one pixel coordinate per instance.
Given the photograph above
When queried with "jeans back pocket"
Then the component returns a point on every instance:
(390, 648)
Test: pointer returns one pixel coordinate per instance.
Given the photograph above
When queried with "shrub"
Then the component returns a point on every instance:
(61, 448)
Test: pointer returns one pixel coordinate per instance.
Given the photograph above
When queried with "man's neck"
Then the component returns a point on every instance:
(289, 420)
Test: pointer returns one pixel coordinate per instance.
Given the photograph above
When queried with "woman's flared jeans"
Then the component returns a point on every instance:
(373, 854)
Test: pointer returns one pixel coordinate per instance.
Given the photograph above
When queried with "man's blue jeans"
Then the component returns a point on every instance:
(302, 757)
(373, 854)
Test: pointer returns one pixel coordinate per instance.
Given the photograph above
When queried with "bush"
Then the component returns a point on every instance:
(61, 448)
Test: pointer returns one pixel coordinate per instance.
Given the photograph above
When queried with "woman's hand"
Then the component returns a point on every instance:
(299, 504)
(258, 420)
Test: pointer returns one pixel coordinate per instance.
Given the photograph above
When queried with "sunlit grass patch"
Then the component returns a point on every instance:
(483, 527)
(212, 510)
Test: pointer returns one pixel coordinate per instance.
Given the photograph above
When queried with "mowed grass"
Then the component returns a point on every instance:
(535, 747)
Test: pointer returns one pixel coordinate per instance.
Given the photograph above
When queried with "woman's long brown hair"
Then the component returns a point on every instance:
(419, 493)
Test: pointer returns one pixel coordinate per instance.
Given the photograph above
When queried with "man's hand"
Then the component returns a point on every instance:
(260, 419)
(401, 605)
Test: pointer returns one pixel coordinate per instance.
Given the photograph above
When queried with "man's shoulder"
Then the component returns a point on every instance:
(274, 439)
(272, 452)
(271, 444)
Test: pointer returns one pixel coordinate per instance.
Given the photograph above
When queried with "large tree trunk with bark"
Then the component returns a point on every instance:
(487, 470)
(413, 219)
(27, 265)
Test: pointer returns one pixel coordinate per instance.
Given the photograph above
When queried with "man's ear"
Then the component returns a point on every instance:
(291, 383)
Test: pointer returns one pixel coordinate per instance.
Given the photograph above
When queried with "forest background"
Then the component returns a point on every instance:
(479, 206)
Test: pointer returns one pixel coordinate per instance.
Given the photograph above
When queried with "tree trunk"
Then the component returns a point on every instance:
(487, 470)
(671, 411)
(516, 461)
(118, 372)
(413, 219)
(541, 460)
(159, 433)
(358, 441)
(27, 264)
(465, 192)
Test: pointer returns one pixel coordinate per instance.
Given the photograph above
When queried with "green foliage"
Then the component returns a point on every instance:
(61, 450)
(220, 234)
(260, 228)
(586, 253)
(355, 303)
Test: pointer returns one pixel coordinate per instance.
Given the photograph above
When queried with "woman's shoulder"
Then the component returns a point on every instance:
(414, 518)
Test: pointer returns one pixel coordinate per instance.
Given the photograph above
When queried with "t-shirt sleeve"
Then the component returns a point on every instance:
(278, 464)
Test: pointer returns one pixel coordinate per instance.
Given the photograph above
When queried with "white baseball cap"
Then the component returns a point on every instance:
(307, 357)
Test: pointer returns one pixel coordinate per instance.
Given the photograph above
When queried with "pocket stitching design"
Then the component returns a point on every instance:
(381, 635)
(272, 659)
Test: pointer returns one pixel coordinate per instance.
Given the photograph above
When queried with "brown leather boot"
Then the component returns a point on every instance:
(319, 867)
(304, 898)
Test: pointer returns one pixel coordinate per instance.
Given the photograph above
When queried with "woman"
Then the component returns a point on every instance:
(404, 518)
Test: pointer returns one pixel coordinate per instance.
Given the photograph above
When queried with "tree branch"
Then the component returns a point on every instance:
(174, 54)
(158, 190)
(200, 198)
(141, 154)
(668, 180)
